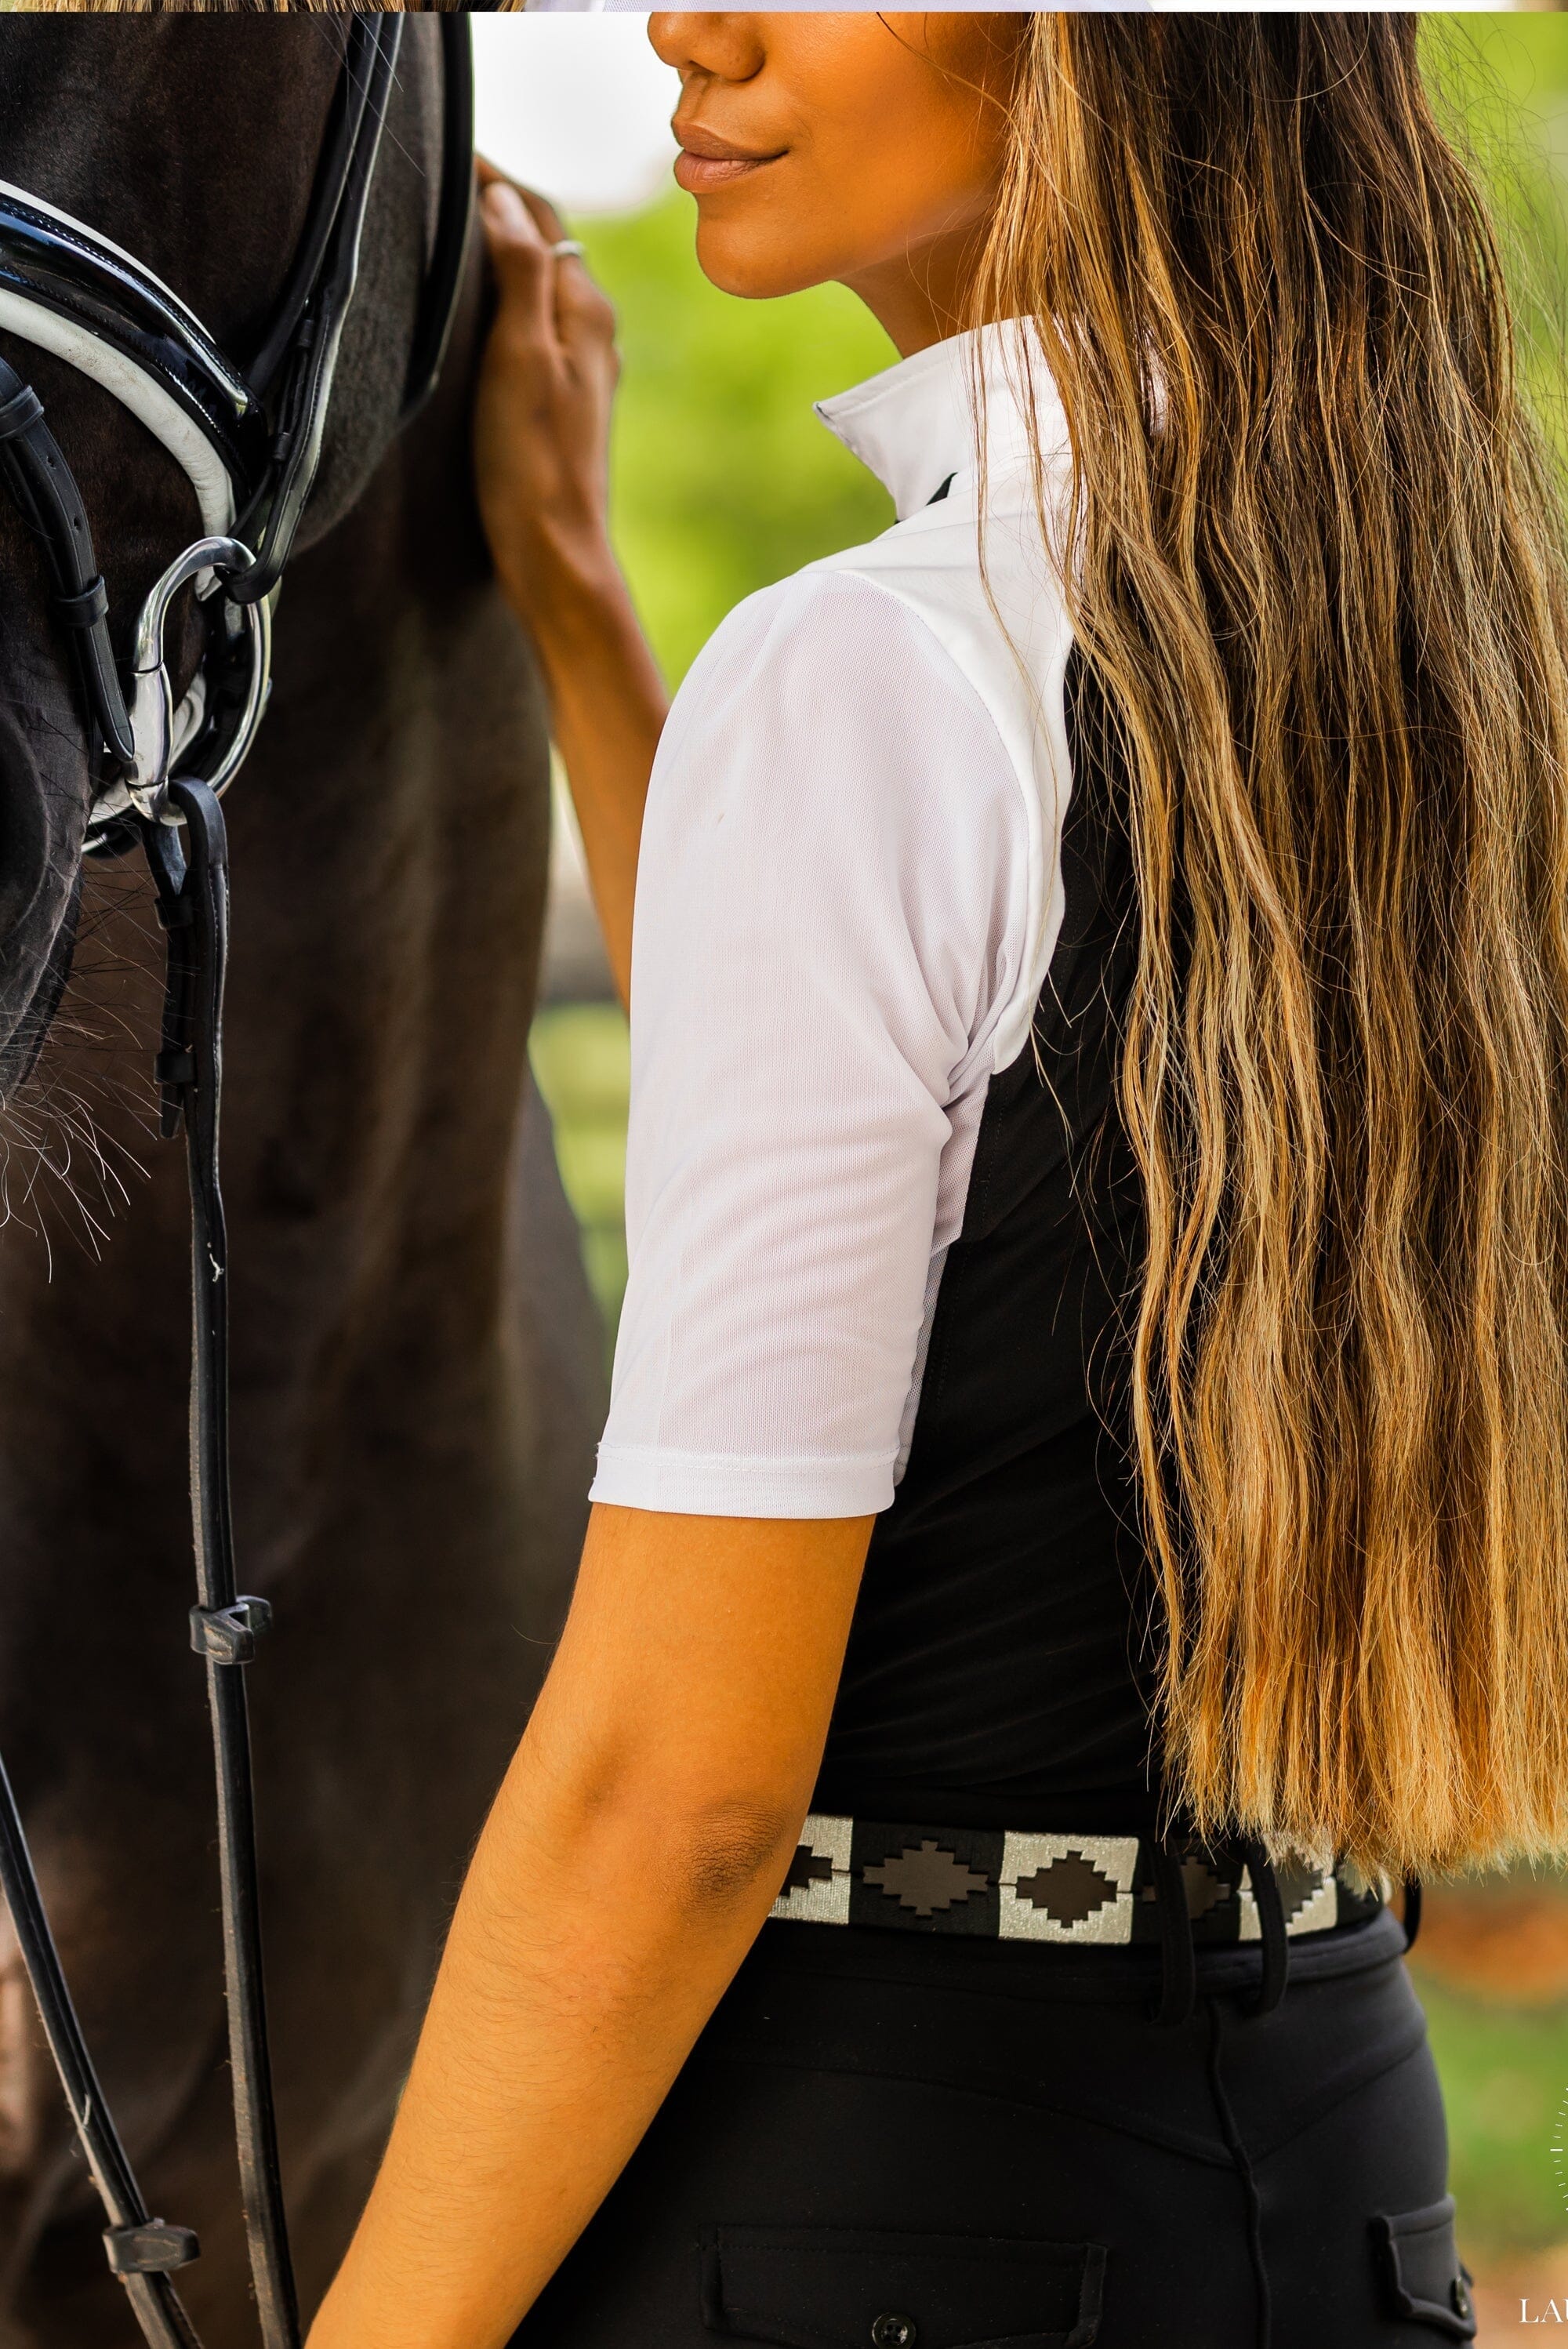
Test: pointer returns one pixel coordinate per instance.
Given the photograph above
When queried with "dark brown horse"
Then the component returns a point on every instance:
(415, 1365)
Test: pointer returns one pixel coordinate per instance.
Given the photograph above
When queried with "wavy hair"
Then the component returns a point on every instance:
(1315, 556)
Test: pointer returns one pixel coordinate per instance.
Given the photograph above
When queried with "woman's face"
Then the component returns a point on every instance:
(855, 146)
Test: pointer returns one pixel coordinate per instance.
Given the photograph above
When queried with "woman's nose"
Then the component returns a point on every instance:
(729, 44)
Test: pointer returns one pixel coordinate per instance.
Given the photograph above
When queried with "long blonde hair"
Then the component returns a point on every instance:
(1316, 561)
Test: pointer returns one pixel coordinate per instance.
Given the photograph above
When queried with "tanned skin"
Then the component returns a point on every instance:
(673, 1751)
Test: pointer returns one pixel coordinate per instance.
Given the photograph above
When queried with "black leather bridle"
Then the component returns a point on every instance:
(249, 439)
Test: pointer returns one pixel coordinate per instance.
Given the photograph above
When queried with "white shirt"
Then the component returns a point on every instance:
(848, 893)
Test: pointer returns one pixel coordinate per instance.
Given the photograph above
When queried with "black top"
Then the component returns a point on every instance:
(998, 1670)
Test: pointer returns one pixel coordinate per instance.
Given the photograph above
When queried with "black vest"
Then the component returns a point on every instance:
(999, 1665)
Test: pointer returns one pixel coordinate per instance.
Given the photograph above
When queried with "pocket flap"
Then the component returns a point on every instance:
(1422, 2268)
(831, 2288)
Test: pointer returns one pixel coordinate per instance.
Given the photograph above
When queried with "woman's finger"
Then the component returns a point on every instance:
(583, 310)
(542, 212)
(553, 229)
(546, 219)
(524, 266)
(566, 280)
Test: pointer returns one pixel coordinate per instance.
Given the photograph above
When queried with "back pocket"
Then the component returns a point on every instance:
(826, 2288)
(1421, 2270)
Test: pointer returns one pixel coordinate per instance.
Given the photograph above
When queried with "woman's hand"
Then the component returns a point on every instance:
(541, 431)
(542, 419)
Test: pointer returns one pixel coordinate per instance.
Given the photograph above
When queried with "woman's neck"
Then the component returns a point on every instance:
(922, 295)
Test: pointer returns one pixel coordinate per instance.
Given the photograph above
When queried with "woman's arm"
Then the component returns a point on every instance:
(638, 1840)
(540, 437)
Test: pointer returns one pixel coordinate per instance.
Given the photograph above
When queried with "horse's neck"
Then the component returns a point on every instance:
(389, 849)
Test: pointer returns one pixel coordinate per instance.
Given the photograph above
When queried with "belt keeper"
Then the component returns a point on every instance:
(1275, 1947)
(20, 412)
(1178, 1957)
(228, 1635)
(1412, 1918)
(86, 608)
(151, 2249)
(174, 1067)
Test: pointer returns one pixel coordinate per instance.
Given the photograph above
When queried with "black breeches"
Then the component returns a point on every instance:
(881, 2144)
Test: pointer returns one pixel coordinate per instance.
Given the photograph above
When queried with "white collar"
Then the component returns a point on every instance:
(913, 424)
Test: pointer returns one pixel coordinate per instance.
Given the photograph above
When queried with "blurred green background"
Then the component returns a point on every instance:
(723, 481)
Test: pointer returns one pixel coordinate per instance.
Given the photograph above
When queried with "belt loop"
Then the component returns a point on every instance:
(1178, 1957)
(1271, 1928)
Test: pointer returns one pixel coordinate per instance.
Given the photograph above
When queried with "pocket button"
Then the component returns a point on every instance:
(892, 2332)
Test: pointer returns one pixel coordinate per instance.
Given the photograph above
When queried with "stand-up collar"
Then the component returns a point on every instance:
(913, 425)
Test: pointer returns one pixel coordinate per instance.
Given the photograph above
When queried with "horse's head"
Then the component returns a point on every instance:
(193, 144)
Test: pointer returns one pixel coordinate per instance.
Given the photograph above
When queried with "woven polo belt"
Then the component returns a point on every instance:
(1077, 1889)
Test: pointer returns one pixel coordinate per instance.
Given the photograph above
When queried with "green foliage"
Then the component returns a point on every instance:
(1501, 86)
(582, 1062)
(1505, 2078)
(722, 478)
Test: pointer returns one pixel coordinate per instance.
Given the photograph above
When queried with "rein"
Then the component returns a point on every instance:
(249, 442)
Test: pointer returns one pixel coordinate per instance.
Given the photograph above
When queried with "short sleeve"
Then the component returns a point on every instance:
(830, 905)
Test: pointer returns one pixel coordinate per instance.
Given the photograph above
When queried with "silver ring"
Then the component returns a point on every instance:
(155, 734)
(567, 246)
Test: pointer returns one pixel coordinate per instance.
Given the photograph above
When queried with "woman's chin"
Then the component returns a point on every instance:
(755, 265)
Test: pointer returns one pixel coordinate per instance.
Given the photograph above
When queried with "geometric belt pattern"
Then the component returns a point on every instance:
(1068, 1888)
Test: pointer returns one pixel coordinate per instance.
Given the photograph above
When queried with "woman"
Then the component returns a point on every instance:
(1085, 1498)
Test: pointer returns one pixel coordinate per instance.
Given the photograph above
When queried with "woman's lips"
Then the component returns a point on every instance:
(696, 173)
(706, 161)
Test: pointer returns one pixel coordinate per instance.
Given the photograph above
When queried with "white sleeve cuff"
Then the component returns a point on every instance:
(726, 1485)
